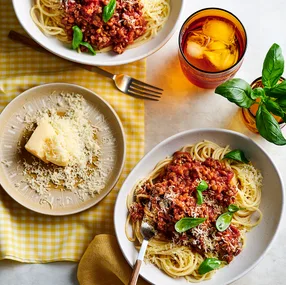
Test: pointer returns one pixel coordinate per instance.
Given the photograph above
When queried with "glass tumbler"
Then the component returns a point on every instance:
(212, 44)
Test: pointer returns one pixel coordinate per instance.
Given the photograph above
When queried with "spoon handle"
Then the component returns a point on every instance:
(136, 268)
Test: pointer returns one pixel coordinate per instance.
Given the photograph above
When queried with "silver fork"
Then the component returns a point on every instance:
(147, 232)
(124, 83)
(130, 85)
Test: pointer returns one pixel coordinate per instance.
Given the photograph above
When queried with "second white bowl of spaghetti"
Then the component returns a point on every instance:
(119, 31)
(215, 199)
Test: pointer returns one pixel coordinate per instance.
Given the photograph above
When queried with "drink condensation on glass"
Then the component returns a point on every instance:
(212, 44)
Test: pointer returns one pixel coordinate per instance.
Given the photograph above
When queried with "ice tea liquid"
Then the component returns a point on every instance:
(211, 44)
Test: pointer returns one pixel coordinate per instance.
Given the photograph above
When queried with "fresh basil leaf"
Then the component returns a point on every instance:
(282, 103)
(278, 91)
(233, 208)
(77, 37)
(274, 108)
(203, 185)
(273, 66)
(187, 223)
(200, 198)
(268, 127)
(238, 155)
(257, 93)
(223, 221)
(89, 47)
(208, 265)
(237, 91)
(108, 10)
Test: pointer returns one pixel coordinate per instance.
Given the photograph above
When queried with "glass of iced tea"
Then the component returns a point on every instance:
(212, 44)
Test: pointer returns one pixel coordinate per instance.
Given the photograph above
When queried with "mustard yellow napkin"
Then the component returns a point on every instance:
(30, 237)
(104, 264)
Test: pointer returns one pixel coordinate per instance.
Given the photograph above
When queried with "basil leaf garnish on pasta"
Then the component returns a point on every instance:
(223, 221)
(233, 208)
(203, 185)
(77, 37)
(200, 198)
(89, 47)
(208, 265)
(237, 155)
(187, 223)
(108, 10)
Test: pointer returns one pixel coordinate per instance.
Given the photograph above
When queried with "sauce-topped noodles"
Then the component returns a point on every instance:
(170, 194)
(132, 23)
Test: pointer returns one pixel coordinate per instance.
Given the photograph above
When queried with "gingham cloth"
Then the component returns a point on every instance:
(30, 237)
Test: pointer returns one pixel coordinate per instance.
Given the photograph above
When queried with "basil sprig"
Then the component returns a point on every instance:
(108, 11)
(273, 66)
(77, 40)
(237, 91)
(200, 188)
(272, 97)
(237, 155)
(268, 127)
(185, 224)
(208, 265)
(224, 220)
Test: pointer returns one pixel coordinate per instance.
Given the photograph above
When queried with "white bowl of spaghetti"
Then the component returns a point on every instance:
(241, 182)
(118, 36)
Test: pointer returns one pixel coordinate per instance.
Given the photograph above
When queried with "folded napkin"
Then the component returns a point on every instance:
(30, 237)
(104, 264)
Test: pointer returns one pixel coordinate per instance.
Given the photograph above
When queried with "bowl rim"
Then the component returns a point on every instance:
(115, 62)
(202, 130)
(122, 133)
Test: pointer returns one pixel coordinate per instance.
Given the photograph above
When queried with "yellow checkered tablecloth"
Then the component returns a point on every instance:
(30, 237)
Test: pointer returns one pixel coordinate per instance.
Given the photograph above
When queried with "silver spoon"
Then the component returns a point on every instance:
(147, 232)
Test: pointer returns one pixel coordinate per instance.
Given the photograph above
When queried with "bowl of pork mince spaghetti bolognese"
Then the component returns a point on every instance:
(100, 32)
(214, 199)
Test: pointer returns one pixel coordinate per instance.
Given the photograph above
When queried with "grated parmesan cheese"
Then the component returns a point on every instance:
(84, 174)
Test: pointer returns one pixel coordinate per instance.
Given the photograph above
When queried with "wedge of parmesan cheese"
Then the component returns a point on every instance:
(49, 145)
(37, 144)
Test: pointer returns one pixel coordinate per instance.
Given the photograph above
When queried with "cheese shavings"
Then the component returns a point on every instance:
(85, 174)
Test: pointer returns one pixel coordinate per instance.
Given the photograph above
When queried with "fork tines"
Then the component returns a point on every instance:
(141, 89)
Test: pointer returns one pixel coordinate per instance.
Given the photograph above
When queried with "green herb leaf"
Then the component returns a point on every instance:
(232, 208)
(257, 93)
(282, 103)
(274, 108)
(108, 10)
(203, 185)
(223, 221)
(208, 265)
(89, 47)
(268, 127)
(273, 66)
(278, 91)
(187, 223)
(77, 37)
(238, 155)
(200, 198)
(237, 91)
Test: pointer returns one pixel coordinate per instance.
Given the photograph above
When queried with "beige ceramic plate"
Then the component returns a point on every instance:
(110, 136)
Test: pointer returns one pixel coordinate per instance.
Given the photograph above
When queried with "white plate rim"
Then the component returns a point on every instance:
(116, 62)
(165, 142)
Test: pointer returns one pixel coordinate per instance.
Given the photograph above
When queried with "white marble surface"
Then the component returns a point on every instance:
(185, 106)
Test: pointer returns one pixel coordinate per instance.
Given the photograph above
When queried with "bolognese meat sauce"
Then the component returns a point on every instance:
(125, 26)
(172, 196)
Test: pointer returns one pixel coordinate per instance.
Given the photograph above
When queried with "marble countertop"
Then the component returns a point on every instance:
(185, 106)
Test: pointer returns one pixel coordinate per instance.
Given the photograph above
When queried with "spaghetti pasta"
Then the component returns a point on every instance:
(180, 255)
(50, 17)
